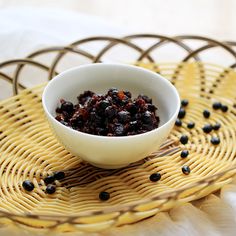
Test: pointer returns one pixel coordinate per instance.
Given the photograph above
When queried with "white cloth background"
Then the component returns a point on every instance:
(24, 30)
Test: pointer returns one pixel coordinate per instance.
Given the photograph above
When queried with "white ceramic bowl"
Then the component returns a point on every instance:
(103, 151)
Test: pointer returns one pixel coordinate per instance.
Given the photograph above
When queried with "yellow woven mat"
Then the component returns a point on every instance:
(28, 150)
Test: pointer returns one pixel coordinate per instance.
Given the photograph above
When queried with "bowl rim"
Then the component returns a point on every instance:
(61, 76)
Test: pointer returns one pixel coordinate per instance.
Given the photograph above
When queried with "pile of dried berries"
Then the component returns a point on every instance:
(111, 114)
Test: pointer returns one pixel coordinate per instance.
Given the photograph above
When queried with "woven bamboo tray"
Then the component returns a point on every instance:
(30, 151)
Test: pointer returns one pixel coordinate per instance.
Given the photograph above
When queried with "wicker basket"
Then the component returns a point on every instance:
(30, 151)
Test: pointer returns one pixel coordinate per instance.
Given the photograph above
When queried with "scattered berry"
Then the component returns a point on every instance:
(155, 177)
(104, 196)
(216, 126)
(207, 128)
(184, 153)
(215, 140)
(184, 139)
(50, 189)
(49, 179)
(182, 113)
(178, 122)
(191, 125)
(216, 105)
(186, 170)
(224, 108)
(206, 113)
(28, 185)
(58, 175)
(184, 102)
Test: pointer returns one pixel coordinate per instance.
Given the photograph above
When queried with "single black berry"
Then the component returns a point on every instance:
(207, 128)
(184, 102)
(104, 196)
(110, 112)
(182, 113)
(186, 170)
(151, 107)
(28, 185)
(58, 175)
(184, 153)
(206, 113)
(191, 125)
(216, 126)
(155, 177)
(216, 105)
(123, 116)
(184, 139)
(147, 117)
(133, 125)
(49, 179)
(215, 140)
(224, 108)
(67, 107)
(119, 130)
(128, 94)
(178, 122)
(104, 104)
(50, 189)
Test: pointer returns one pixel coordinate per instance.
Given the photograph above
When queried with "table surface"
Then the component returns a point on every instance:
(213, 215)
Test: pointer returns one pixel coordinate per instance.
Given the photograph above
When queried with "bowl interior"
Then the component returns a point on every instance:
(100, 77)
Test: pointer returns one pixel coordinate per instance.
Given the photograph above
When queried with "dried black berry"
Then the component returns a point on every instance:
(58, 175)
(123, 116)
(119, 130)
(184, 153)
(186, 170)
(206, 113)
(128, 94)
(151, 107)
(133, 125)
(207, 128)
(191, 125)
(67, 106)
(216, 105)
(104, 104)
(145, 98)
(50, 189)
(184, 139)
(110, 112)
(184, 102)
(215, 140)
(224, 108)
(147, 117)
(178, 122)
(155, 177)
(216, 126)
(49, 179)
(112, 91)
(132, 108)
(28, 185)
(104, 196)
(182, 113)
